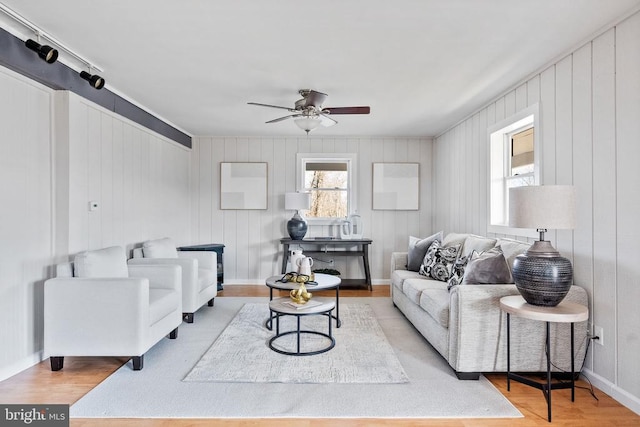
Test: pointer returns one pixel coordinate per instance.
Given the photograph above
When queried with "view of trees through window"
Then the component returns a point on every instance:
(328, 185)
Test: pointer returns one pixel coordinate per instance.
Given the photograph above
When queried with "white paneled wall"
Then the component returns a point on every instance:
(251, 237)
(590, 127)
(25, 218)
(140, 180)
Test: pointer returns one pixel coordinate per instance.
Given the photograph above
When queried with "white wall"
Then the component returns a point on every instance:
(251, 237)
(590, 122)
(58, 152)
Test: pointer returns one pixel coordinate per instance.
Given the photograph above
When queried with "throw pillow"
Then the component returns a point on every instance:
(489, 267)
(107, 262)
(418, 249)
(438, 261)
(457, 274)
(159, 248)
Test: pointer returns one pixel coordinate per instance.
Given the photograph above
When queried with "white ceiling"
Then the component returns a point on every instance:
(422, 65)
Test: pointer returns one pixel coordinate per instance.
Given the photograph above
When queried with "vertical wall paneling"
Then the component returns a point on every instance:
(628, 202)
(604, 206)
(589, 108)
(251, 238)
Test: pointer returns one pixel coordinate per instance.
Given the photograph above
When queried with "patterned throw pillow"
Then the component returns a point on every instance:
(458, 270)
(438, 262)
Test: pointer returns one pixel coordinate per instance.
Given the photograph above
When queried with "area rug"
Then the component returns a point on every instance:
(158, 391)
(362, 353)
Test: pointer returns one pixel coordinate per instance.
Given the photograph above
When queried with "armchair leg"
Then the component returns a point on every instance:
(188, 317)
(138, 362)
(210, 303)
(173, 334)
(56, 363)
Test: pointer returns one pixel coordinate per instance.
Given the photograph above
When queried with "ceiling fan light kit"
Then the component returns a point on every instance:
(309, 112)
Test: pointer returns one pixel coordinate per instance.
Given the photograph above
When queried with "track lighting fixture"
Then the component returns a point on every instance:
(94, 80)
(45, 52)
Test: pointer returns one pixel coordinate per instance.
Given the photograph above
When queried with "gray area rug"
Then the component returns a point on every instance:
(362, 353)
(158, 391)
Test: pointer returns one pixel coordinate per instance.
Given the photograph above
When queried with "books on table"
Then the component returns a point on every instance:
(298, 306)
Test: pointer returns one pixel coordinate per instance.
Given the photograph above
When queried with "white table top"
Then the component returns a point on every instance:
(325, 281)
(565, 312)
(327, 304)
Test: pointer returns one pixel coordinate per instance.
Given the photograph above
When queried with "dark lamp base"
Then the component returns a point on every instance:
(542, 276)
(297, 228)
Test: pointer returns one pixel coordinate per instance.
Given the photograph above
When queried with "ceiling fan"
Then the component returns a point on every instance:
(309, 112)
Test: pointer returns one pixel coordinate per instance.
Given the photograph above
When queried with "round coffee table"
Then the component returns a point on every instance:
(324, 282)
(280, 308)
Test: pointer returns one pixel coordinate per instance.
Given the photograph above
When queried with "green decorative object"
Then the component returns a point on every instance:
(327, 271)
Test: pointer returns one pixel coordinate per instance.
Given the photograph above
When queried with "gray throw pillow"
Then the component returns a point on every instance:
(489, 267)
(418, 249)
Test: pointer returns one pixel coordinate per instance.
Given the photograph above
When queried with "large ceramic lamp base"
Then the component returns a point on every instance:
(542, 276)
(297, 227)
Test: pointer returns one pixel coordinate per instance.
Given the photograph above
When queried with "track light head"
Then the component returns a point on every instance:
(95, 80)
(47, 53)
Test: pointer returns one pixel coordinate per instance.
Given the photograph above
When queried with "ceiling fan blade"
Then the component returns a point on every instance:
(347, 110)
(270, 106)
(315, 99)
(279, 119)
(327, 121)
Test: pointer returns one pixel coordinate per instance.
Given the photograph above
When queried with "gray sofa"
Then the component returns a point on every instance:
(466, 326)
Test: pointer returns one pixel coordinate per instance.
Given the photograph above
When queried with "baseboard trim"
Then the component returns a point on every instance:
(20, 365)
(624, 397)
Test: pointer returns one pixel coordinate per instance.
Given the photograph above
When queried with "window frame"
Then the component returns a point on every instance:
(352, 180)
(498, 147)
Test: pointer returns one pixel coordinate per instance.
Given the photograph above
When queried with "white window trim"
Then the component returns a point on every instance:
(352, 185)
(500, 129)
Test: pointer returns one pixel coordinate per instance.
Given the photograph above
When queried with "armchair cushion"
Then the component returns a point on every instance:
(160, 248)
(107, 262)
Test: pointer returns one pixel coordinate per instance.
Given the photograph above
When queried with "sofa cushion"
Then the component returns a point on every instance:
(161, 303)
(438, 262)
(477, 243)
(399, 276)
(107, 262)
(436, 303)
(418, 248)
(511, 249)
(159, 248)
(453, 239)
(489, 267)
(413, 288)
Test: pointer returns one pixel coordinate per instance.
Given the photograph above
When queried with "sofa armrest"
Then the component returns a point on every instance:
(162, 276)
(399, 260)
(95, 316)
(206, 259)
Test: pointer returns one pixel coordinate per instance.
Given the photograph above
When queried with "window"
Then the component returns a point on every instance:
(330, 178)
(513, 162)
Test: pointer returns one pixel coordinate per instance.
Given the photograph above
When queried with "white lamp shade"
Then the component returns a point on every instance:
(297, 201)
(543, 207)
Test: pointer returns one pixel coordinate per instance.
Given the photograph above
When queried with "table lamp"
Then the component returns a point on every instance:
(541, 274)
(297, 225)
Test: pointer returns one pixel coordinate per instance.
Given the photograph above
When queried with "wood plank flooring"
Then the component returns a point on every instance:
(39, 385)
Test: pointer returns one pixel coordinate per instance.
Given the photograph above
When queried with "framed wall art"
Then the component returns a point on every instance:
(396, 186)
(243, 185)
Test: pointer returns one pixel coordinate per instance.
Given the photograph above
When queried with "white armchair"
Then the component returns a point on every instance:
(199, 271)
(99, 306)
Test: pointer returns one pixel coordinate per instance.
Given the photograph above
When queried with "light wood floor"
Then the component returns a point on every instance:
(39, 385)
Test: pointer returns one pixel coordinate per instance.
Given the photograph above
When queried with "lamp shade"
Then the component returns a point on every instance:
(297, 201)
(543, 207)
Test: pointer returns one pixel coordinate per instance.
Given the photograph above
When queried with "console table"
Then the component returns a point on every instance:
(334, 247)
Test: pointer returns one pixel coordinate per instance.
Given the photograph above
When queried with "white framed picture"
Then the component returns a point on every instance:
(243, 185)
(396, 186)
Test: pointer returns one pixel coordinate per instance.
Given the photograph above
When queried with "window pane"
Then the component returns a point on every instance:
(328, 204)
(314, 179)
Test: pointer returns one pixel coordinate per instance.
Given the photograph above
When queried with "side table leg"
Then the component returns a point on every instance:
(367, 270)
(338, 322)
(298, 317)
(548, 394)
(572, 367)
(285, 258)
(508, 352)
